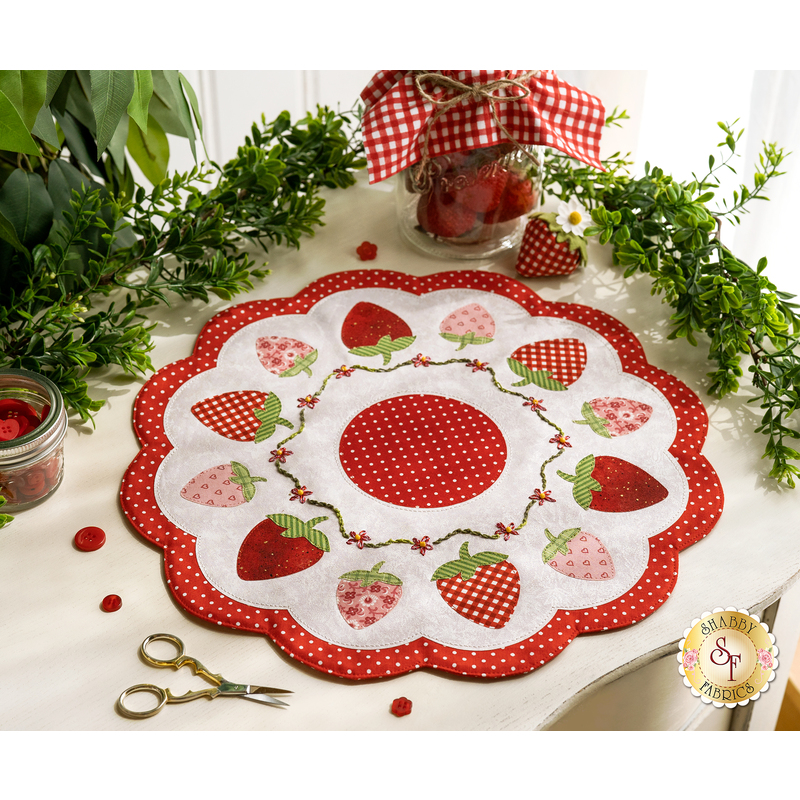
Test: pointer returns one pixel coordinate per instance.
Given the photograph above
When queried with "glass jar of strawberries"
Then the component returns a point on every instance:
(470, 204)
(33, 424)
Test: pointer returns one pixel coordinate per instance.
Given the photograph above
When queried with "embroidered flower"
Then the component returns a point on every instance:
(764, 658)
(279, 455)
(309, 401)
(536, 405)
(507, 530)
(477, 366)
(573, 217)
(423, 545)
(343, 372)
(367, 251)
(358, 539)
(421, 360)
(300, 494)
(561, 441)
(690, 659)
(543, 496)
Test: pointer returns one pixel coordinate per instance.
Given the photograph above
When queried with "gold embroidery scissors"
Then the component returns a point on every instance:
(222, 687)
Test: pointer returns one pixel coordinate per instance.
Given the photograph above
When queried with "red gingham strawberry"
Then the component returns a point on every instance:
(470, 324)
(551, 364)
(285, 357)
(608, 483)
(483, 588)
(547, 249)
(578, 554)
(364, 597)
(440, 214)
(244, 416)
(614, 416)
(280, 545)
(224, 486)
(371, 330)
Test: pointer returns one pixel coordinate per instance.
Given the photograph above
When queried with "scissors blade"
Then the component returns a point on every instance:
(265, 698)
(267, 690)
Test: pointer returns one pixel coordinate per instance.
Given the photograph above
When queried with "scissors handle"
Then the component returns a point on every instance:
(142, 687)
(178, 661)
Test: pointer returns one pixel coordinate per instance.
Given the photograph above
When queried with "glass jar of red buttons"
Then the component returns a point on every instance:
(471, 204)
(33, 424)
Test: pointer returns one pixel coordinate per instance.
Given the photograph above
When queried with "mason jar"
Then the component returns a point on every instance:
(33, 424)
(471, 204)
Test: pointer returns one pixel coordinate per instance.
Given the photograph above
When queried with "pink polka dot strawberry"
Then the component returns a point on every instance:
(611, 417)
(285, 357)
(470, 324)
(608, 483)
(224, 486)
(578, 554)
(483, 588)
(281, 545)
(364, 597)
(552, 364)
(244, 416)
(371, 330)
(553, 244)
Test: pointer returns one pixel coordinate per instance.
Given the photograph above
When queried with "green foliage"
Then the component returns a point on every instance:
(84, 251)
(666, 229)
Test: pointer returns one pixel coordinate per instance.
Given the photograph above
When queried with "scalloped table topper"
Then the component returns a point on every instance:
(386, 473)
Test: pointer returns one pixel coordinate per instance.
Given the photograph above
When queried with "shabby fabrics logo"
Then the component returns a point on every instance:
(728, 657)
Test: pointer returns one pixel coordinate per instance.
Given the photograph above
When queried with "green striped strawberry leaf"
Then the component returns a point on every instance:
(542, 378)
(598, 424)
(384, 347)
(269, 416)
(247, 481)
(296, 529)
(558, 544)
(583, 482)
(466, 565)
(301, 366)
(464, 339)
(368, 577)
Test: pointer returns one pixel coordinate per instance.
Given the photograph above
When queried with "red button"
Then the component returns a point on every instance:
(401, 707)
(91, 538)
(112, 602)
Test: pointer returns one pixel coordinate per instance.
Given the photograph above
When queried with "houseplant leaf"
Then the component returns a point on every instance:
(142, 94)
(150, 151)
(25, 203)
(26, 89)
(112, 90)
(14, 135)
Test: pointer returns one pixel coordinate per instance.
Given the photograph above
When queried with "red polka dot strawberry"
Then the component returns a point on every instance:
(285, 357)
(483, 588)
(608, 483)
(364, 597)
(281, 545)
(470, 324)
(371, 330)
(552, 364)
(611, 417)
(245, 416)
(578, 554)
(553, 244)
(224, 486)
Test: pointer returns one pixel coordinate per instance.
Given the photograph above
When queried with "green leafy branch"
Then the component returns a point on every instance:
(666, 229)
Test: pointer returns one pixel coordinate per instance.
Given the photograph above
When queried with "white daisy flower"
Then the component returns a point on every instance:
(573, 217)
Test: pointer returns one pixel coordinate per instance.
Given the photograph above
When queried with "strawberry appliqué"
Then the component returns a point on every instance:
(364, 597)
(608, 483)
(483, 588)
(547, 249)
(611, 417)
(552, 364)
(281, 545)
(224, 486)
(244, 416)
(371, 330)
(470, 324)
(285, 357)
(578, 554)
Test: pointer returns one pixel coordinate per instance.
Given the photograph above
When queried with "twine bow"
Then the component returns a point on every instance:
(478, 93)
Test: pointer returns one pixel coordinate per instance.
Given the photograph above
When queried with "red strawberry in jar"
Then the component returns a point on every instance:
(364, 597)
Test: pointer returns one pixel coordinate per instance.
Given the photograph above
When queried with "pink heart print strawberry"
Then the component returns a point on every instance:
(578, 554)
(285, 357)
(552, 364)
(614, 416)
(483, 588)
(244, 416)
(364, 597)
(470, 324)
(224, 486)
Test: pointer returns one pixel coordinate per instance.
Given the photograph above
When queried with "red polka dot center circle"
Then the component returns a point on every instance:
(422, 451)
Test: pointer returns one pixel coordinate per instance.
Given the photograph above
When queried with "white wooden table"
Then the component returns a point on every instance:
(55, 632)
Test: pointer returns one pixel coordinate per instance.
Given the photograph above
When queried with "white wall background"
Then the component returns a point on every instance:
(673, 116)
